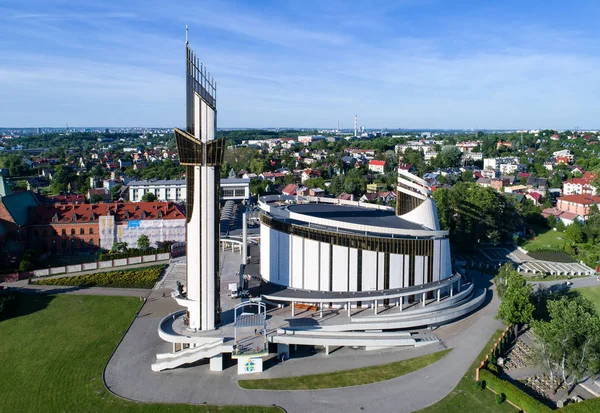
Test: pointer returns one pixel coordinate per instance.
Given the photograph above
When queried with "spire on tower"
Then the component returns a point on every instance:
(187, 33)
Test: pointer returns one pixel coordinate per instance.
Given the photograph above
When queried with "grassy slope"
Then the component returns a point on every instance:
(53, 350)
(345, 378)
(464, 398)
(550, 239)
(592, 294)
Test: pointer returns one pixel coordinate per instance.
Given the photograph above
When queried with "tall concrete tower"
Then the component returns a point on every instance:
(201, 153)
(355, 125)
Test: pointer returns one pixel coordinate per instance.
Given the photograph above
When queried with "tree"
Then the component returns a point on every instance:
(61, 178)
(143, 242)
(501, 278)
(95, 198)
(257, 166)
(315, 183)
(467, 176)
(14, 163)
(570, 340)
(516, 306)
(149, 197)
(119, 247)
(574, 232)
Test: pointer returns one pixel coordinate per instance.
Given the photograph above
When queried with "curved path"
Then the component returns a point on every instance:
(128, 372)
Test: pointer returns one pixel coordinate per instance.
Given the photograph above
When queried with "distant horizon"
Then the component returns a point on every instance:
(297, 128)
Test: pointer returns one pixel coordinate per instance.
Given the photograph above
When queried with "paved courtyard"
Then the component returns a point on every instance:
(128, 373)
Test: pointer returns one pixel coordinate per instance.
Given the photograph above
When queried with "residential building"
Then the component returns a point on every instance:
(583, 185)
(309, 174)
(103, 193)
(566, 217)
(377, 166)
(174, 190)
(308, 139)
(579, 204)
(535, 197)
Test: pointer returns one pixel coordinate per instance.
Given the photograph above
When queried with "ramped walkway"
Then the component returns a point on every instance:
(128, 373)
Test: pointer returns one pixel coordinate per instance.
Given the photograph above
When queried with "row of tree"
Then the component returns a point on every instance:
(566, 325)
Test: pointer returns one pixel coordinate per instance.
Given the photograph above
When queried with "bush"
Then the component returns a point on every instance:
(493, 368)
(480, 385)
(513, 393)
(134, 278)
(500, 397)
(132, 252)
(8, 302)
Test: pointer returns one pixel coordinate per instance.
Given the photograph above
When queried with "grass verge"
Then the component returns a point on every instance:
(54, 348)
(345, 378)
(465, 398)
(144, 277)
(592, 294)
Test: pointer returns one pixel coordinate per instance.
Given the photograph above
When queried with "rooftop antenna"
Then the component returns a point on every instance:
(187, 33)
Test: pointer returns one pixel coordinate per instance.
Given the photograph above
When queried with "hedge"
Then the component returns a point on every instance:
(134, 278)
(513, 393)
(131, 253)
(551, 255)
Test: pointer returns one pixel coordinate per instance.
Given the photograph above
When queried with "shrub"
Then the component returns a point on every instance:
(493, 368)
(500, 397)
(8, 302)
(480, 384)
(513, 393)
(134, 278)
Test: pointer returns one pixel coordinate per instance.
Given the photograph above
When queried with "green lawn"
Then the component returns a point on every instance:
(546, 240)
(465, 398)
(591, 293)
(345, 378)
(53, 351)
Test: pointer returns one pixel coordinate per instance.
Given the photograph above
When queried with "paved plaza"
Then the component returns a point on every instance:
(128, 373)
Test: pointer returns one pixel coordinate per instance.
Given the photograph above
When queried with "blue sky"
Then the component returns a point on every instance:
(305, 63)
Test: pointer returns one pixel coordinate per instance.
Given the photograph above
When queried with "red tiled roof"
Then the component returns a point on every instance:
(535, 195)
(580, 199)
(44, 214)
(377, 163)
(290, 189)
(568, 215)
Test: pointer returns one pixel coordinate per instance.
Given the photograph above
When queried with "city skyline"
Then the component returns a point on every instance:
(412, 65)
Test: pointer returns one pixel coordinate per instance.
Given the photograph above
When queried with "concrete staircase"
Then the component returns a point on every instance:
(191, 355)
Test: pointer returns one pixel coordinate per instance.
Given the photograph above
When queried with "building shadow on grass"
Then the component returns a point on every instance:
(14, 304)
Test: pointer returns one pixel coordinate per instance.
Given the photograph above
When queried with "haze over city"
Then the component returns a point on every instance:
(425, 64)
